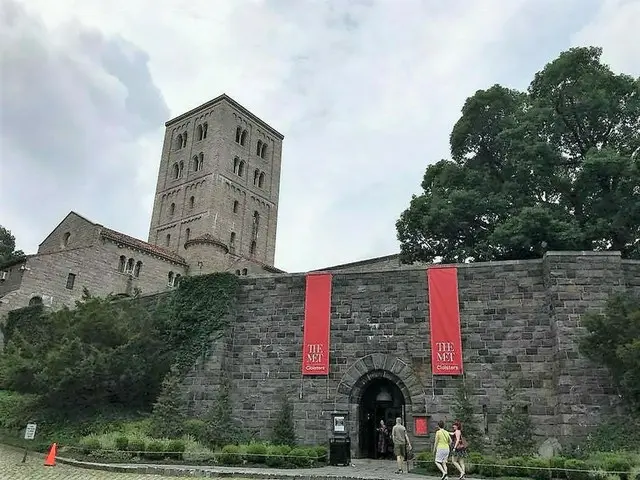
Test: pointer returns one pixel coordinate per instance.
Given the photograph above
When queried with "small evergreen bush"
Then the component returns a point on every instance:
(121, 443)
(256, 453)
(230, 455)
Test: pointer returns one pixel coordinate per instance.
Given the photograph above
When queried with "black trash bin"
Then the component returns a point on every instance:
(340, 451)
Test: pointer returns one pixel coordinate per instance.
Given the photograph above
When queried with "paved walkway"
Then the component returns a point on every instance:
(11, 468)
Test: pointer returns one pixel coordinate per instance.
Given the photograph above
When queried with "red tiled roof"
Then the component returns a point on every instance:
(139, 244)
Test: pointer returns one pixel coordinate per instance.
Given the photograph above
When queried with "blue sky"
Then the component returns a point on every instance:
(366, 93)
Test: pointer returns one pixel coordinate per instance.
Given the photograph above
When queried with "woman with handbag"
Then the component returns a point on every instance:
(459, 451)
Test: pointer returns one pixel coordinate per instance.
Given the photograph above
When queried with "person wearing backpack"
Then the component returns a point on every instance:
(441, 449)
(459, 451)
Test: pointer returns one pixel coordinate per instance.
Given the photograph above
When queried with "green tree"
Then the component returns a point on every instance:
(284, 432)
(515, 428)
(100, 353)
(552, 168)
(169, 413)
(613, 341)
(8, 252)
(463, 411)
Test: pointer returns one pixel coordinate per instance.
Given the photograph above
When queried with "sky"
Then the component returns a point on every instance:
(366, 93)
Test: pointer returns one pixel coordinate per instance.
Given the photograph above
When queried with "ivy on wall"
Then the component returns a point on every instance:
(112, 351)
(196, 314)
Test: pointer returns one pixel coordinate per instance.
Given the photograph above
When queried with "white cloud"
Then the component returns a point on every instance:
(365, 92)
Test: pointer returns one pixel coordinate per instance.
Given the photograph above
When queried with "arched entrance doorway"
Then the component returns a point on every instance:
(381, 400)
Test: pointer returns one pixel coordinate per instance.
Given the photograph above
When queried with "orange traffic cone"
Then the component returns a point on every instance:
(50, 461)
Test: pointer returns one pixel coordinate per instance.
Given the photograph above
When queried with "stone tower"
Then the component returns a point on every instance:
(216, 201)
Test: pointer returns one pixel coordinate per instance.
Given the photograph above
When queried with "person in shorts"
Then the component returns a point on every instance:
(400, 443)
(441, 449)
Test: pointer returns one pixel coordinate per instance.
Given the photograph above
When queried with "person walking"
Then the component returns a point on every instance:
(400, 444)
(441, 449)
(459, 449)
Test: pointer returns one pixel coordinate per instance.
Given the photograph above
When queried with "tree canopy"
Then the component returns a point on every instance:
(8, 252)
(613, 341)
(553, 168)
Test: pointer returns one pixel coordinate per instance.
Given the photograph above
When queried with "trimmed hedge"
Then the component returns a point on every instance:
(597, 466)
(134, 446)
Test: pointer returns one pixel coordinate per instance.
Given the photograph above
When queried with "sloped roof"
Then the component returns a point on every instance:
(140, 245)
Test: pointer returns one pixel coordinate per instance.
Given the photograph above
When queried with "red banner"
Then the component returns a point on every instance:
(317, 324)
(444, 316)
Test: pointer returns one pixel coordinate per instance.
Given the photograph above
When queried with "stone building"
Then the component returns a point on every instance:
(520, 322)
(79, 253)
(215, 209)
(218, 187)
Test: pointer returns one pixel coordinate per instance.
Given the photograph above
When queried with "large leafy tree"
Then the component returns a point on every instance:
(8, 251)
(553, 168)
(613, 341)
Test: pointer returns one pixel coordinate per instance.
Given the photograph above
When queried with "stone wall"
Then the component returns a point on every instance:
(520, 321)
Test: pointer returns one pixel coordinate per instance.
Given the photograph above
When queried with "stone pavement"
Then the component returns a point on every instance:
(12, 469)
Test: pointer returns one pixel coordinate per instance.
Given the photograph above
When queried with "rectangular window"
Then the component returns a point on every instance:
(71, 280)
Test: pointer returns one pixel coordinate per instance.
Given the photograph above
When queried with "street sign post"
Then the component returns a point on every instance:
(29, 434)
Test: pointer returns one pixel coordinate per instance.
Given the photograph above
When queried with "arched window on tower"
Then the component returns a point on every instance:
(176, 170)
(179, 142)
(256, 174)
(130, 265)
(256, 224)
(180, 169)
(168, 239)
(170, 279)
(243, 137)
(236, 164)
(205, 127)
(252, 249)
(259, 148)
(238, 134)
(172, 209)
(232, 239)
(200, 162)
(263, 151)
(192, 202)
(261, 180)
(199, 132)
(236, 205)
(184, 140)
(241, 168)
(136, 271)
(122, 264)
(187, 234)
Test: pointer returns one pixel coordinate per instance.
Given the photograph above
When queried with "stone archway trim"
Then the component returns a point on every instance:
(415, 392)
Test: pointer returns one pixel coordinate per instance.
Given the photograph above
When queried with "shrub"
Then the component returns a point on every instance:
(573, 464)
(155, 450)
(283, 427)
(277, 455)
(256, 453)
(321, 453)
(122, 443)
(425, 461)
(540, 468)
(16, 409)
(515, 430)
(168, 417)
(302, 457)
(634, 473)
(557, 466)
(175, 449)
(197, 429)
(90, 444)
(514, 467)
(230, 455)
(136, 445)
